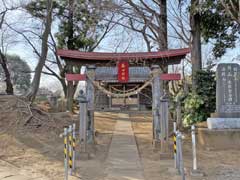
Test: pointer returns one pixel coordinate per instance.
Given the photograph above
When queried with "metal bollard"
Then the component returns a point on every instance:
(175, 143)
(66, 153)
(177, 152)
(180, 155)
(195, 171)
(194, 148)
(70, 151)
(74, 146)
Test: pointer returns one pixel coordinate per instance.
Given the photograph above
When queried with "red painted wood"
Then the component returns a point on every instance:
(170, 77)
(75, 77)
(123, 71)
(103, 56)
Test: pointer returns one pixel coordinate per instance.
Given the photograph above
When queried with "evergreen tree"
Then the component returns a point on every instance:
(20, 73)
(218, 26)
(199, 105)
(80, 23)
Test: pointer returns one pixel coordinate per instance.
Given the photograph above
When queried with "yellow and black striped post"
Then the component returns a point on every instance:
(66, 153)
(74, 145)
(70, 154)
(175, 149)
(175, 143)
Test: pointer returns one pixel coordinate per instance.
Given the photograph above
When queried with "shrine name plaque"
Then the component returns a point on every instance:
(123, 71)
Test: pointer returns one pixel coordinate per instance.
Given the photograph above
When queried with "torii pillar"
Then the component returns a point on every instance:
(90, 91)
(70, 88)
(157, 92)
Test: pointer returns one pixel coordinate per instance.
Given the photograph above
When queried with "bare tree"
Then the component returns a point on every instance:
(147, 18)
(178, 20)
(9, 86)
(44, 51)
(232, 9)
(3, 59)
(53, 66)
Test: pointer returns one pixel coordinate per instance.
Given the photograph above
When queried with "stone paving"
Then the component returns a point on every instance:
(123, 161)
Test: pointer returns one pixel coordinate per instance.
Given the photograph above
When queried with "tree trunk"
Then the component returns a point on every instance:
(64, 86)
(163, 38)
(70, 89)
(196, 57)
(44, 51)
(70, 42)
(70, 45)
(9, 86)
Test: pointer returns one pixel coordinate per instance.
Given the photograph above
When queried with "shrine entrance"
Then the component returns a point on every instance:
(113, 103)
(122, 81)
(108, 76)
(124, 103)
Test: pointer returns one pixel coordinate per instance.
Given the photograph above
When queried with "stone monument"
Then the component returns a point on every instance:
(227, 114)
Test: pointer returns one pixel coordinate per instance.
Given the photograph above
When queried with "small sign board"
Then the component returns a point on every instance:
(76, 77)
(123, 71)
(170, 77)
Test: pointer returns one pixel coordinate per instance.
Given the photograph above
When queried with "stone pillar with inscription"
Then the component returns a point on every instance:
(227, 114)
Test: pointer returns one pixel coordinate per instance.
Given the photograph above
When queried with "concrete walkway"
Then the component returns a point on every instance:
(123, 162)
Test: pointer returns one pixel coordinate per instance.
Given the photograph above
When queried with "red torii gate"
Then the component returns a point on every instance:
(155, 60)
(167, 57)
(161, 58)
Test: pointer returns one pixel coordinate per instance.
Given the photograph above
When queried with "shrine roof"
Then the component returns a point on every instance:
(74, 55)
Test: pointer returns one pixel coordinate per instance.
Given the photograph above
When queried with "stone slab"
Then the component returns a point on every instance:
(225, 115)
(223, 123)
(218, 139)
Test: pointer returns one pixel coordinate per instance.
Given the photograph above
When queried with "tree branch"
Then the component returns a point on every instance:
(26, 38)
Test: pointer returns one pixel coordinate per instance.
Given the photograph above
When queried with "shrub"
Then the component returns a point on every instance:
(199, 105)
